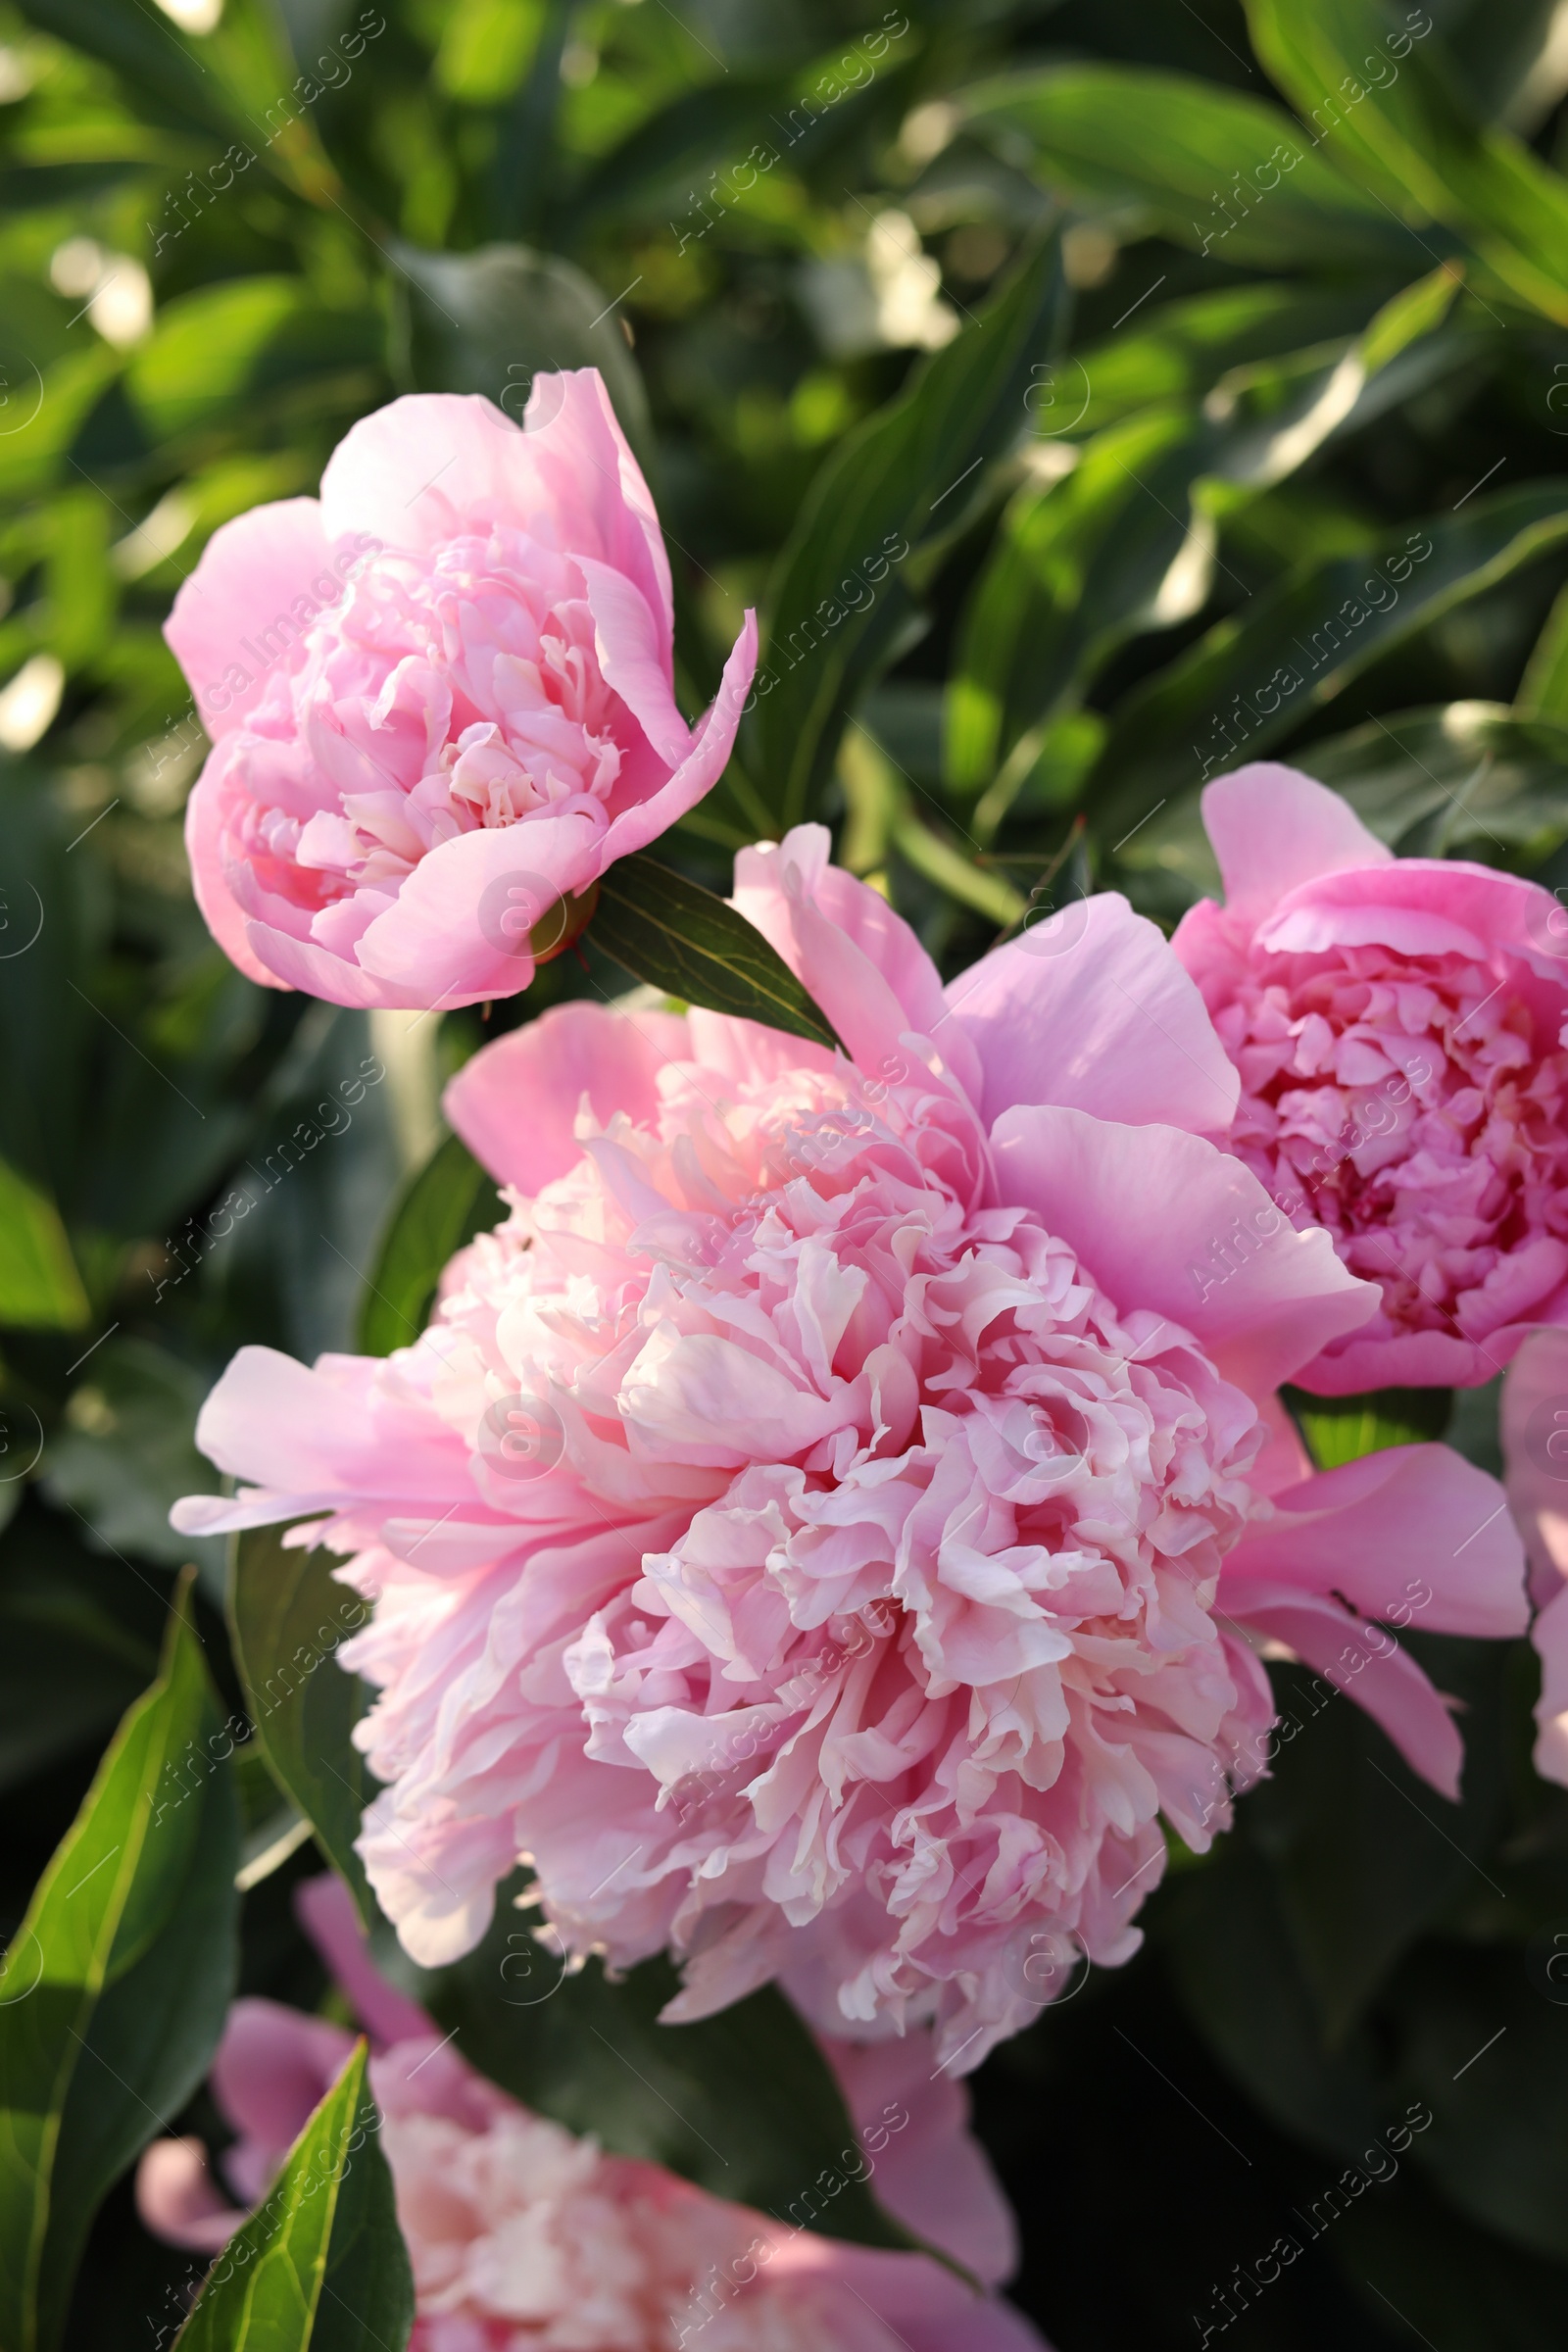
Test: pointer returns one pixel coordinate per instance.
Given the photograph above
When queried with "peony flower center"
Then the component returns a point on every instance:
(1415, 1110)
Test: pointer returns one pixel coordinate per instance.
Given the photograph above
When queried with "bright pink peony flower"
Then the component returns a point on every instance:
(440, 699)
(521, 2235)
(1534, 1446)
(818, 1529)
(1398, 1024)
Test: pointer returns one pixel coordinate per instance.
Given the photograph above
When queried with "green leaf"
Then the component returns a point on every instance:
(321, 2266)
(743, 2102)
(287, 1616)
(1365, 1856)
(1340, 1429)
(116, 1984)
(226, 343)
(40, 1288)
(1431, 782)
(1177, 147)
(1406, 134)
(1076, 570)
(1543, 688)
(126, 1454)
(1242, 1984)
(442, 1207)
(78, 1643)
(674, 935)
(489, 320)
(839, 603)
(1486, 2053)
(1254, 678)
(1181, 349)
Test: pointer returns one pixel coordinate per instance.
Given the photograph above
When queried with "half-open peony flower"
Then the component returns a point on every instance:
(521, 2235)
(441, 701)
(816, 1531)
(1398, 1024)
(1535, 1450)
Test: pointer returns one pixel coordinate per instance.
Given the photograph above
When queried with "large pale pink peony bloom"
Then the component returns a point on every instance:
(1398, 1024)
(521, 2235)
(821, 1531)
(441, 701)
(1534, 1446)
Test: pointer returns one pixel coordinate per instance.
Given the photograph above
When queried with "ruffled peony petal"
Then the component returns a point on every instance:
(246, 608)
(1093, 1010)
(1164, 1218)
(516, 1104)
(1398, 1028)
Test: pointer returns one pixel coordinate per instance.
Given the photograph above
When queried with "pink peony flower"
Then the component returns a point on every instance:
(1535, 1448)
(1398, 1024)
(817, 1531)
(440, 701)
(521, 2234)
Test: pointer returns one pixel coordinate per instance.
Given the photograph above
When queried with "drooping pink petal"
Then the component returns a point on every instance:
(516, 1104)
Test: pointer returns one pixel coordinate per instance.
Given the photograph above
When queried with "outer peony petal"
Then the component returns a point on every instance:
(325, 1911)
(1411, 1360)
(272, 2067)
(251, 569)
(433, 946)
(1110, 1024)
(1415, 905)
(1272, 829)
(516, 1104)
(331, 1430)
(1549, 1634)
(204, 816)
(933, 2174)
(1534, 1448)
(1363, 1663)
(1414, 1534)
(1164, 1220)
(711, 741)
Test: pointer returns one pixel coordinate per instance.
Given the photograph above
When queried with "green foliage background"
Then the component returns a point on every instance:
(1240, 427)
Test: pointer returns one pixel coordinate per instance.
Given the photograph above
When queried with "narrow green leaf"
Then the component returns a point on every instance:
(1340, 1429)
(40, 1288)
(289, 1617)
(674, 935)
(1076, 570)
(1226, 173)
(1543, 688)
(743, 2102)
(116, 1986)
(1430, 782)
(1387, 112)
(321, 2266)
(1253, 679)
(840, 602)
(442, 1207)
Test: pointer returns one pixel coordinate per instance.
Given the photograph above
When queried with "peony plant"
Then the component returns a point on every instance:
(829, 1529)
